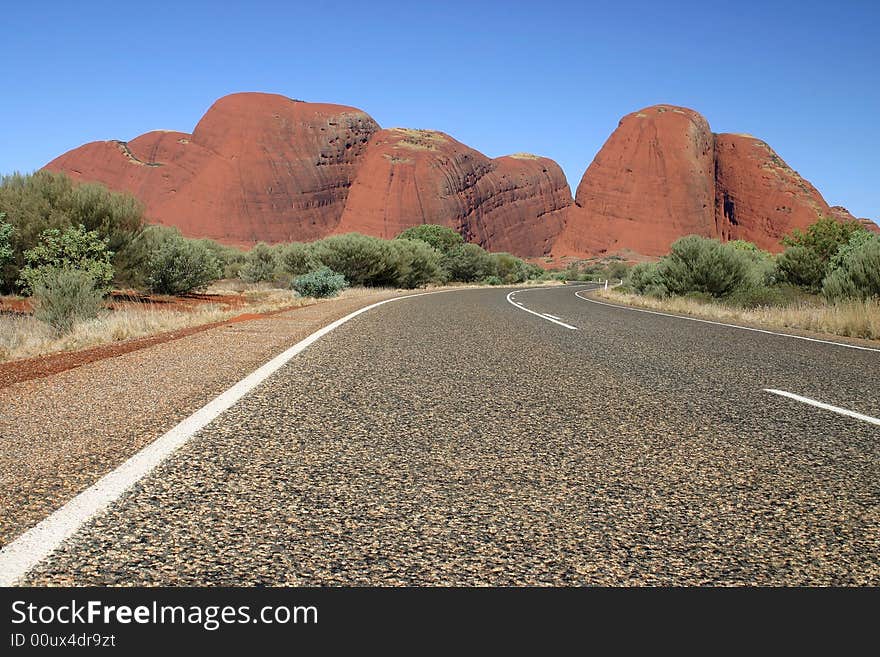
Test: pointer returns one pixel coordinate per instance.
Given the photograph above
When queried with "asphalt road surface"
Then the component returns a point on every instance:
(458, 439)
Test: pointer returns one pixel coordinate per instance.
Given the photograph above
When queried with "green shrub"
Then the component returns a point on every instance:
(230, 258)
(323, 282)
(509, 268)
(440, 237)
(699, 264)
(296, 258)
(62, 297)
(179, 266)
(467, 263)
(858, 275)
(801, 266)
(856, 241)
(762, 264)
(37, 202)
(417, 263)
(260, 264)
(362, 260)
(6, 252)
(645, 279)
(492, 280)
(824, 238)
(534, 272)
(75, 248)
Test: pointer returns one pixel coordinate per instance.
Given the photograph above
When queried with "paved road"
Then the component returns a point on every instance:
(457, 439)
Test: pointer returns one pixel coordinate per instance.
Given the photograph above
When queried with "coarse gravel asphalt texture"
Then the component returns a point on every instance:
(453, 439)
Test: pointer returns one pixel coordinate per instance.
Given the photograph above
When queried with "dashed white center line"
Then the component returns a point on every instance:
(547, 318)
(827, 407)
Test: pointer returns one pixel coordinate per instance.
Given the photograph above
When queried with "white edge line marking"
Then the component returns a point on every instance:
(736, 326)
(19, 556)
(549, 316)
(827, 407)
(537, 314)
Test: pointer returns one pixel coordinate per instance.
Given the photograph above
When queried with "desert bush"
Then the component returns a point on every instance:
(858, 274)
(645, 278)
(64, 296)
(178, 266)
(855, 242)
(467, 263)
(762, 264)
(801, 266)
(824, 238)
(508, 268)
(699, 264)
(230, 258)
(74, 248)
(362, 260)
(616, 270)
(34, 203)
(6, 252)
(492, 280)
(296, 258)
(260, 264)
(323, 282)
(417, 262)
(812, 254)
(440, 237)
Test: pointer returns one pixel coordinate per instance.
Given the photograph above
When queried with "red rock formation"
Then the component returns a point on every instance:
(758, 197)
(257, 167)
(262, 167)
(651, 183)
(662, 174)
(411, 177)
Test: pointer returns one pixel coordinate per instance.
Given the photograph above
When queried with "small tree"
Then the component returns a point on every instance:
(440, 237)
(179, 266)
(5, 245)
(801, 266)
(75, 248)
(858, 275)
(361, 259)
(699, 264)
(468, 263)
(645, 278)
(824, 237)
(508, 268)
(418, 263)
(64, 296)
(260, 264)
(296, 258)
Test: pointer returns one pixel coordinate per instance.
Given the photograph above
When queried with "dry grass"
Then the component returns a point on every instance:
(854, 319)
(22, 336)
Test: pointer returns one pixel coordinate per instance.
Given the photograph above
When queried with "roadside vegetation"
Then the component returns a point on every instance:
(68, 249)
(826, 280)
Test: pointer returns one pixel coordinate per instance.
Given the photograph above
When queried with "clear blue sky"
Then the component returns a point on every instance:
(547, 77)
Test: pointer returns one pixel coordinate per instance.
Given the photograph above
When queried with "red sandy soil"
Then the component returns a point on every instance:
(121, 299)
(17, 371)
